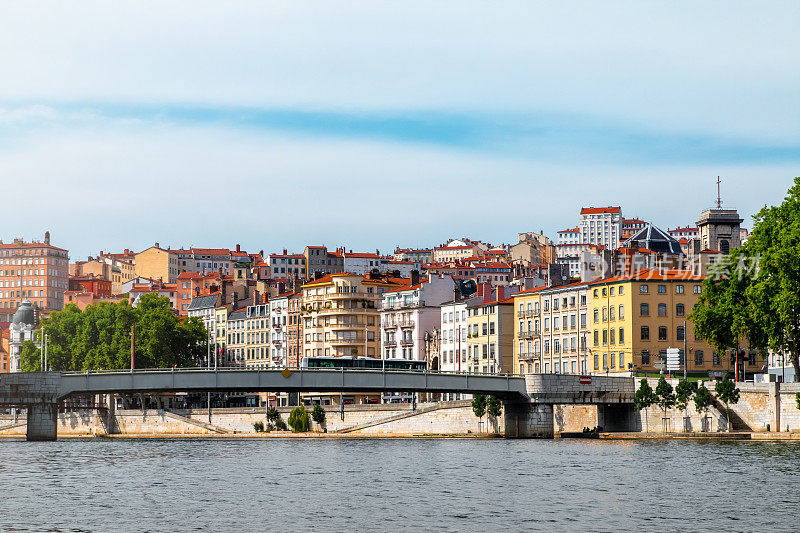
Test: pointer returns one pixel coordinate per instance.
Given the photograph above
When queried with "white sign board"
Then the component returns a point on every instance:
(673, 359)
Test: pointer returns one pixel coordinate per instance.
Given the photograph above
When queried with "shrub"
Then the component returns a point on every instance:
(258, 426)
(273, 415)
(269, 428)
(318, 415)
(299, 419)
(280, 425)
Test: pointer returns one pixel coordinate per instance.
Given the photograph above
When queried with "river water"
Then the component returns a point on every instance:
(398, 485)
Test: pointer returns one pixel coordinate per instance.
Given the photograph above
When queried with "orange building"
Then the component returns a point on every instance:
(99, 287)
(193, 284)
(37, 271)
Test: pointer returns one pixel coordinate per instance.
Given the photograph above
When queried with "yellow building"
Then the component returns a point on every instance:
(341, 314)
(156, 263)
(490, 337)
(635, 318)
(551, 329)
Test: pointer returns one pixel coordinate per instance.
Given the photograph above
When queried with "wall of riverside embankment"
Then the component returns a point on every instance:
(450, 418)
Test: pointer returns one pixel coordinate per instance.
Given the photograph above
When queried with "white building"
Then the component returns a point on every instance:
(406, 314)
(204, 307)
(279, 333)
(361, 263)
(601, 226)
(23, 324)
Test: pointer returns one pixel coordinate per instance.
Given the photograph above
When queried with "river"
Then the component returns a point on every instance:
(398, 485)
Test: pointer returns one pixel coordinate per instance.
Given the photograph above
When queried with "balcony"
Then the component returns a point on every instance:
(348, 325)
(348, 311)
(526, 334)
(390, 344)
(406, 323)
(406, 342)
(341, 342)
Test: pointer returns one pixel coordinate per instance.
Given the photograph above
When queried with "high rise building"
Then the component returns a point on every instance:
(36, 271)
(601, 226)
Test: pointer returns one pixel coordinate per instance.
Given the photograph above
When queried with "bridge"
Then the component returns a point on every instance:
(528, 400)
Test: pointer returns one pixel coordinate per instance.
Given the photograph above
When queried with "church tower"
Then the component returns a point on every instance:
(719, 228)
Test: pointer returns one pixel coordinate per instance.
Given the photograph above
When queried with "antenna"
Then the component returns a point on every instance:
(719, 198)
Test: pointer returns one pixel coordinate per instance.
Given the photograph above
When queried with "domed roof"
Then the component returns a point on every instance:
(25, 315)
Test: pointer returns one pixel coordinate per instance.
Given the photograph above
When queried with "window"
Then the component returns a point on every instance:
(622, 335)
(716, 361)
(698, 357)
(612, 339)
(662, 289)
(645, 333)
(611, 360)
(680, 310)
(596, 334)
(642, 289)
(605, 337)
(621, 312)
(595, 295)
(644, 309)
(662, 309)
(596, 315)
(678, 289)
(680, 334)
(596, 362)
(662, 333)
(698, 289)
(621, 292)
(621, 361)
(645, 357)
(605, 314)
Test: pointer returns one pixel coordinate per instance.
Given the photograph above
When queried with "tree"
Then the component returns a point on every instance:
(727, 393)
(683, 394)
(29, 357)
(318, 414)
(299, 419)
(493, 407)
(757, 298)
(703, 400)
(479, 405)
(99, 337)
(665, 397)
(644, 398)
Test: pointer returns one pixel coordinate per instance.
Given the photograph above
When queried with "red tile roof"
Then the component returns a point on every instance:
(599, 210)
(648, 274)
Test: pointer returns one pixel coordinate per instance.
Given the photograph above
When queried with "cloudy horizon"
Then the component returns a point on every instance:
(377, 124)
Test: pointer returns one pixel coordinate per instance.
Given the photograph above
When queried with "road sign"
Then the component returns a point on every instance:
(673, 359)
(586, 380)
(659, 366)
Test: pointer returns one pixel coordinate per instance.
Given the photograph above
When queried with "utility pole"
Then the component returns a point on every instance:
(133, 337)
(685, 353)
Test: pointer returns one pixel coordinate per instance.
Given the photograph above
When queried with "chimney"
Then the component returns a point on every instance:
(238, 247)
(501, 293)
(485, 290)
(158, 245)
(415, 277)
(47, 237)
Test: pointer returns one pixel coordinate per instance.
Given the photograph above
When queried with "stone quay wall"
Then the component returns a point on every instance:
(452, 418)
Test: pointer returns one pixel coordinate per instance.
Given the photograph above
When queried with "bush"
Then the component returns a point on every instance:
(258, 426)
(280, 425)
(299, 419)
(272, 415)
(318, 415)
(269, 428)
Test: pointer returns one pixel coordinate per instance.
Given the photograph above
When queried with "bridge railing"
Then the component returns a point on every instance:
(290, 368)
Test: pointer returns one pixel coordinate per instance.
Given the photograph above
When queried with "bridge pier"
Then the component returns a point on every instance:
(42, 421)
(528, 420)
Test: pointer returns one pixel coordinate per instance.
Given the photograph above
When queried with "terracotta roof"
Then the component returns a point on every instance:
(573, 230)
(648, 274)
(710, 251)
(211, 251)
(599, 210)
(362, 255)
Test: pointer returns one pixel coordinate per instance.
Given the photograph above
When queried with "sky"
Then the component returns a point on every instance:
(375, 124)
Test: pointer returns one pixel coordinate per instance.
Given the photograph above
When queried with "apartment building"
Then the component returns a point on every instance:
(341, 314)
(551, 329)
(636, 317)
(257, 337)
(498, 274)
(190, 285)
(630, 226)
(418, 255)
(319, 259)
(361, 263)
(158, 264)
(287, 266)
(457, 250)
(36, 271)
(490, 335)
(410, 311)
(204, 307)
(294, 329)
(601, 226)
(279, 330)
(98, 286)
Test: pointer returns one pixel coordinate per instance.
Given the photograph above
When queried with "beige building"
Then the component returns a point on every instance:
(158, 264)
(490, 336)
(457, 250)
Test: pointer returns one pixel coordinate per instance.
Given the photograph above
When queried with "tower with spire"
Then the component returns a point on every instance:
(720, 228)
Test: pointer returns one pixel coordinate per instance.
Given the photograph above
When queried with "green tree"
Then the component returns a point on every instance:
(318, 415)
(99, 337)
(683, 394)
(299, 419)
(644, 398)
(273, 415)
(494, 408)
(727, 393)
(703, 400)
(30, 357)
(757, 298)
(665, 396)
(479, 406)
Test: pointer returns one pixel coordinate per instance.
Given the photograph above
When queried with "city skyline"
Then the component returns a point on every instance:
(260, 126)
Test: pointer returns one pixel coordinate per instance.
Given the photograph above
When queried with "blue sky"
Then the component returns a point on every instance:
(375, 124)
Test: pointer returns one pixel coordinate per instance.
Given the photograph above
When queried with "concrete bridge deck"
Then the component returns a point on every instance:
(529, 399)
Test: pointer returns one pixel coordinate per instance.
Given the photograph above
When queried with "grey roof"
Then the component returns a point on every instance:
(238, 315)
(25, 315)
(203, 302)
(655, 239)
